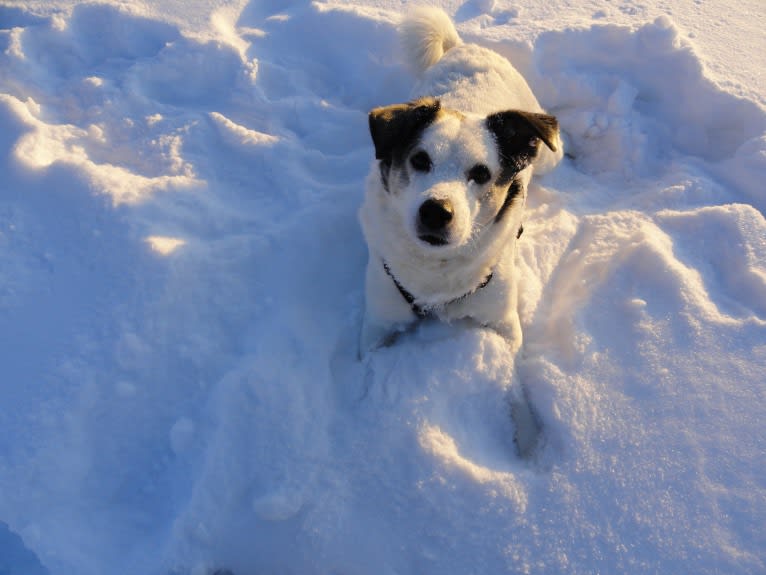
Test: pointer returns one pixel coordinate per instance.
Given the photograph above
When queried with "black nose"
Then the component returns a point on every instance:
(435, 215)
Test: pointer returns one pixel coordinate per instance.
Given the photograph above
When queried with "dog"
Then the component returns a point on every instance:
(446, 192)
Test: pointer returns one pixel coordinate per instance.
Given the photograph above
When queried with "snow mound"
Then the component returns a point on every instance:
(629, 100)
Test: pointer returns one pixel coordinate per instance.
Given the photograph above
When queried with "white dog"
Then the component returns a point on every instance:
(445, 197)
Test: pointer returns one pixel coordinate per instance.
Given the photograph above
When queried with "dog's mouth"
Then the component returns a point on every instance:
(433, 240)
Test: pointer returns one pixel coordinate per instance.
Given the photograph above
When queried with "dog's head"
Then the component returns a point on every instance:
(450, 176)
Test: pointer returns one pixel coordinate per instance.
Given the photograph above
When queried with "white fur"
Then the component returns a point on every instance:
(426, 34)
(438, 276)
(495, 85)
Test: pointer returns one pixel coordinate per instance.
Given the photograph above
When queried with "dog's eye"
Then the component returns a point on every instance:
(479, 174)
(421, 162)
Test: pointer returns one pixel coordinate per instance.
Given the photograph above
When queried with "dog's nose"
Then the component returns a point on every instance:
(435, 214)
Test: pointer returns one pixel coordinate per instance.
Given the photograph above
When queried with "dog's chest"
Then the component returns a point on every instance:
(447, 283)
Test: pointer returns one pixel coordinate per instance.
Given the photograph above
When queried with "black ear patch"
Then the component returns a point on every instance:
(515, 128)
(518, 135)
(394, 129)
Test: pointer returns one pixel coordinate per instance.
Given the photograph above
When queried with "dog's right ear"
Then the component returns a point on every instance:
(397, 127)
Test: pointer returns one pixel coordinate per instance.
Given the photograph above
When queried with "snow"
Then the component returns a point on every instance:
(181, 286)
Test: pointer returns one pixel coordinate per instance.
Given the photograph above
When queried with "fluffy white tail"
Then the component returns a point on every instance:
(427, 33)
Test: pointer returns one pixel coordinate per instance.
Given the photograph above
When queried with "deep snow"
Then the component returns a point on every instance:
(181, 283)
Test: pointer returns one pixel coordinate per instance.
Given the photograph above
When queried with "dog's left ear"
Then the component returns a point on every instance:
(397, 126)
(516, 125)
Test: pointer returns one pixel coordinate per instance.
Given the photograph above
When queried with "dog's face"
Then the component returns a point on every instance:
(451, 177)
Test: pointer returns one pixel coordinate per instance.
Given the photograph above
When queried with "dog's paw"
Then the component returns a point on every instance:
(509, 331)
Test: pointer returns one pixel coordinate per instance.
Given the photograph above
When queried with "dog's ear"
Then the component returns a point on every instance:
(396, 127)
(514, 128)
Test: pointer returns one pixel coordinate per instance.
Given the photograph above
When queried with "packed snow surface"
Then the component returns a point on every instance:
(181, 286)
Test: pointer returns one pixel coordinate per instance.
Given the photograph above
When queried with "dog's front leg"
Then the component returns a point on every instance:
(510, 330)
(386, 311)
(496, 307)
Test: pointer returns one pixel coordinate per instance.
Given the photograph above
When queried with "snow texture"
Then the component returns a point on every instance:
(181, 287)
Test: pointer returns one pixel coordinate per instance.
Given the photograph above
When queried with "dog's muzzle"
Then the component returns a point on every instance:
(434, 217)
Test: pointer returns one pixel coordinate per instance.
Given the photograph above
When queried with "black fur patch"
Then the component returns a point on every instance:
(514, 129)
(396, 130)
(514, 190)
(518, 135)
(385, 168)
